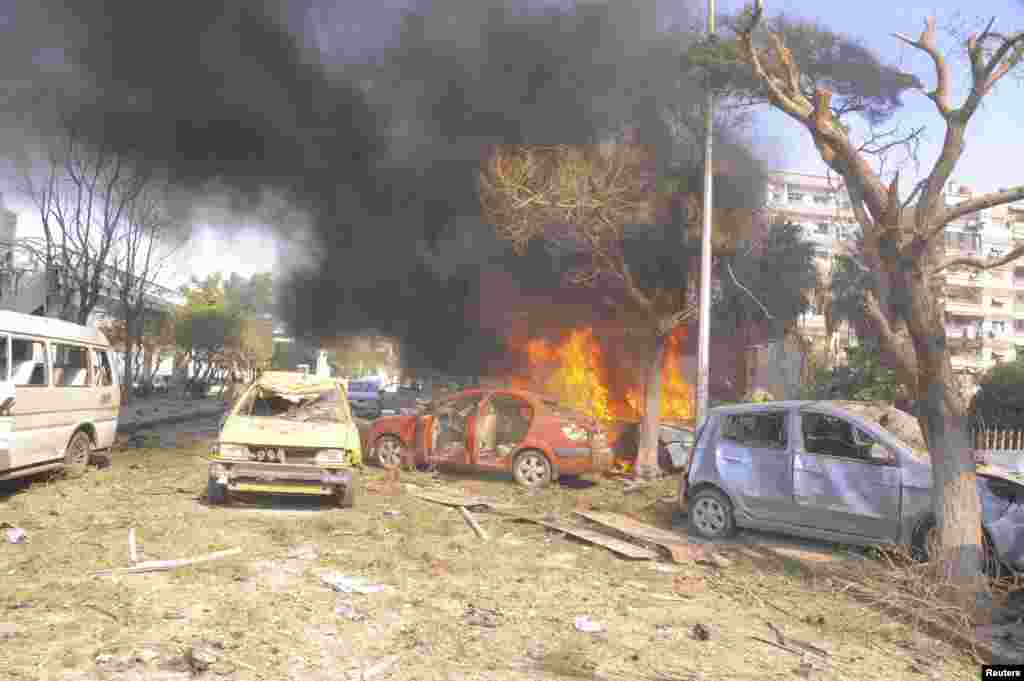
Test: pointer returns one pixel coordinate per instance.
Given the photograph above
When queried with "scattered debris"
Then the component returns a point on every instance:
(304, 552)
(15, 535)
(713, 559)
(482, 617)
(8, 630)
(349, 612)
(686, 553)
(586, 625)
(392, 514)
(623, 548)
(159, 565)
(700, 632)
(350, 585)
(198, 659)
(630, 486)
(667, 569)
(472, 522)
(688, 585)
(133, 553)
(379, 668)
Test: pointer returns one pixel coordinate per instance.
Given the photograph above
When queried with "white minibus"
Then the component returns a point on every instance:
(59, 395)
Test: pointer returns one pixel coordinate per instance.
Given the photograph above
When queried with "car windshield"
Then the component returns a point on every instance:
(326, 406)
(362, 387)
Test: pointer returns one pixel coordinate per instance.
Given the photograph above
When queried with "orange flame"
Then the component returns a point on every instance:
(577, 371)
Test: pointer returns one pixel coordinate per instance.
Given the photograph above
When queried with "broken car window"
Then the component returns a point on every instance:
(764, 430)
(328, 406)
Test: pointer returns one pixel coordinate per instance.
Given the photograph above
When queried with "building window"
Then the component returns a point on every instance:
(822, 200)
(999, 328)
(824, 228)
(795, 197)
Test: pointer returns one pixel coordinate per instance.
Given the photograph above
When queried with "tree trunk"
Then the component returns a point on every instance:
(647, 455)
(942, 416)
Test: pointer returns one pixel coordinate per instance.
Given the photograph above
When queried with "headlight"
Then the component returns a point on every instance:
(328, 456)
(236, 452)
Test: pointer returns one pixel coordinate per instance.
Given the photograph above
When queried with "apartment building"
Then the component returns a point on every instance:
(984, 310)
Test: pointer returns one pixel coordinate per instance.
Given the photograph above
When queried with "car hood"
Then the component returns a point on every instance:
(267, 431)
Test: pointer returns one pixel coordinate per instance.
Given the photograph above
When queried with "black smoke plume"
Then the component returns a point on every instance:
(380, 152)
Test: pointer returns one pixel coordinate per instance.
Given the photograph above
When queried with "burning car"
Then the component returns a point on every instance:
(288, 433)
(532, 436)
(675, 441)
(852, 472)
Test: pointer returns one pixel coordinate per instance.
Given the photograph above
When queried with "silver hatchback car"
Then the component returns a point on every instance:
(851, 472)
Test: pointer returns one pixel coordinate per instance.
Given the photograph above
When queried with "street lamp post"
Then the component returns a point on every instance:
(704, 319)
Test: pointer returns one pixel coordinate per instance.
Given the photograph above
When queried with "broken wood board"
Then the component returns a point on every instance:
(160, 565)
(637, 530)
(622, 548)
(462, 501)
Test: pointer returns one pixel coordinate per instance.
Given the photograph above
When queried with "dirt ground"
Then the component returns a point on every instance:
(452, 607)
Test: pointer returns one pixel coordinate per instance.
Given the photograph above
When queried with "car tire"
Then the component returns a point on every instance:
(387, 451)
(348, 494)
(216, 493)
(76, 456)
(532, 469)
(710, 515)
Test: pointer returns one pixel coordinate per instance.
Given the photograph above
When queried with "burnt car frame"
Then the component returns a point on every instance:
(675, 441)
(836, 471)
(287, 433)
(517, 431)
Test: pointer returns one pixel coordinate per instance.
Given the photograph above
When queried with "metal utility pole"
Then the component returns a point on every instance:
(704, 318)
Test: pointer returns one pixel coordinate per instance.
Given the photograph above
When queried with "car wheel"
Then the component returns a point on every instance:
(532, 469)
(216, 493)
(711, 515)
(76, 458)
(347, 494)
(388, 451)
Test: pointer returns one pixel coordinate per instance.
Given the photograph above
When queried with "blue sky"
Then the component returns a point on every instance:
(995, 141)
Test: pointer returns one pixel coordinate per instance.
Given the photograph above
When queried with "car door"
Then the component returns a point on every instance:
(843, 479)
(755, 461)
(454, 428)
(503, 422)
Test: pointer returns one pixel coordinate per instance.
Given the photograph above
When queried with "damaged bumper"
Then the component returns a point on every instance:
(279, 478)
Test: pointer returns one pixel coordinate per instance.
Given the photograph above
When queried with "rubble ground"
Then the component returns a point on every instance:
(300, 601)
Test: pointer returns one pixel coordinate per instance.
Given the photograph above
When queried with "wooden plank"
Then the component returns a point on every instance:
(635, 529)
(623, 548)
(473, 523)
(159, 565)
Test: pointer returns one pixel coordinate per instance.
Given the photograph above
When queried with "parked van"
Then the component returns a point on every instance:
(60, 397)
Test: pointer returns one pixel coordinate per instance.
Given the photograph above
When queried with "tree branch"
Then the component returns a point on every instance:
(926, 43)
(979, 263)
(975, 204)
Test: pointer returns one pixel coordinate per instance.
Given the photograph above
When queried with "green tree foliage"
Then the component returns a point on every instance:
(863, 377)
(773, 280)
(1000, 397)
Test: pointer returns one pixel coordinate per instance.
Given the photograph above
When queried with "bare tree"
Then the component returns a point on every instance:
(904, 247)
(83, 196)
(148, 237)
(588, 202)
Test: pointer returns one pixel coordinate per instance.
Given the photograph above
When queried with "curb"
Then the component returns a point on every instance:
(177, 418)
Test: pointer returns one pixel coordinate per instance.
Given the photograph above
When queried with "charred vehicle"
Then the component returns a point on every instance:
(527, 434)
(852, 472)
(675, 441)
(288, 433)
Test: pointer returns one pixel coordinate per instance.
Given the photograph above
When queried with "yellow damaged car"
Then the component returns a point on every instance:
(288, 433)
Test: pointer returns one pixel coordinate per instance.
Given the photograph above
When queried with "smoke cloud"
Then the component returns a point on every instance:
(379, 151)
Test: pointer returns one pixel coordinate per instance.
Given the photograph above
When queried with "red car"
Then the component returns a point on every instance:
(530, 435)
